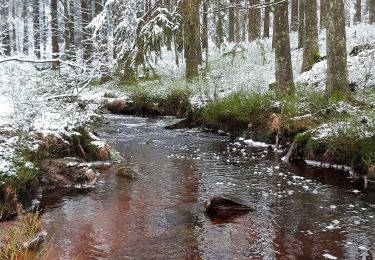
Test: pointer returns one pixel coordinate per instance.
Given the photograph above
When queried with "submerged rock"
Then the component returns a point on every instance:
(178, 123)
(128, 172)
(225, 206)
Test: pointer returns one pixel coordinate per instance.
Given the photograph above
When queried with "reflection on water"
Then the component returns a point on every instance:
(300, 212)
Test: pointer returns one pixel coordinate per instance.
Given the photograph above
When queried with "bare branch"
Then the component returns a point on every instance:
(252, 7)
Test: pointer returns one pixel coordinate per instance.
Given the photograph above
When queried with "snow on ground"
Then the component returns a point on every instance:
(38, 101)
(251, 67)
(361, 68)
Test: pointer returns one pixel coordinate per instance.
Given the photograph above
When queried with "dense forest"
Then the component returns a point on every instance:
(187, 129)
(128, 37)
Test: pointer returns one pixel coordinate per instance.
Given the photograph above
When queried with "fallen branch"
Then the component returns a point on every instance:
(72, 64)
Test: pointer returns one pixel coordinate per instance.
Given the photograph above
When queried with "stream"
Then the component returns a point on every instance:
(300, 212)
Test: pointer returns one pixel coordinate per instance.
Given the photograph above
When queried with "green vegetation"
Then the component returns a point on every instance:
(12, 239)
(239, 107)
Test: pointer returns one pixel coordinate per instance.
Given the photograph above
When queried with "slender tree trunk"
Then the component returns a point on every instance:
(358, 12)
(310, 41)
(301, 23)
(323, 14)
(243, 27)
(14, 45)
(26, 39)
(237, 34)
(45, 30)
(55, 37)
(219, 26)
(283, 60)
(205, 25)
(337, 72)
(168, 38)
(294, 16)
(69, 34)
(85, 36)
(231, 22)
(254, 22)
(36, 26)
(371, 8)
(266, 21)
(190, 17)
(4, 30)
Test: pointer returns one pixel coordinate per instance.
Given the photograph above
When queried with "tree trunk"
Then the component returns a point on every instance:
(283, 60)
(266, 20)
(55, 37)
(301, 23)
(85, 36)
(358, 12)
(243, 23)
(254, 22)
(231, 22)
(310, 41)
(237, 34)
(190, 17)
(337, 72)
(371, 8)
(323, 14)
(69, 35)
(98, 6)
(4, 31)
(205, 25)
(36, 26)
(26, 39)
(294, 16)
(219, 37)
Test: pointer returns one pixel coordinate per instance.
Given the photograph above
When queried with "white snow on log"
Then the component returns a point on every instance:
(256, 144)
(329, 256)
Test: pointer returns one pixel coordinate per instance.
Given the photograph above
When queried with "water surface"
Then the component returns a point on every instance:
(299, 212)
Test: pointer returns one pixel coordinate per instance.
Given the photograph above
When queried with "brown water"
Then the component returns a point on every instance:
(300, 212)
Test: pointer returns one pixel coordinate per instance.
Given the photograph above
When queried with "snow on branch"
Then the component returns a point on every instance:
(252, 7)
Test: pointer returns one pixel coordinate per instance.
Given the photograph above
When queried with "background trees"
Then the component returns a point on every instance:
(337, 73)
(132, 36)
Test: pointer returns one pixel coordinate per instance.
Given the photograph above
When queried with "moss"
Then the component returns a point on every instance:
(314, 146)
(302, 138)
(234, 112)
(316, 55)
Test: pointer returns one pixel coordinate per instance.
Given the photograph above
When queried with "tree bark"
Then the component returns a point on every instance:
(205, 25)
(301, 23)
(69, 35)
(231, 22)
(26, 40)
(358, 12)
(219, 37)
(310, 41)
(55, 37)
(4, 30)
(266, 21)
(337, 72)
(323, 14)
(283, 60)
(254, 22)
(36, 26)
(237, 34)
(85, 36)
(294, 16)
(190, 17)
(371, 8)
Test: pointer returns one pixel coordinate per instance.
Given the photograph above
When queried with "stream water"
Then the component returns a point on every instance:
(299, 212)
